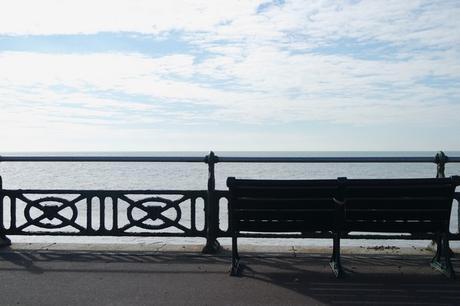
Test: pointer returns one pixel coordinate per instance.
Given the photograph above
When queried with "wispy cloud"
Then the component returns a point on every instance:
(167, 66)
(142, 16)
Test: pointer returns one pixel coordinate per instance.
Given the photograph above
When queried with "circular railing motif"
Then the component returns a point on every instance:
(50, 212)
(154, 213)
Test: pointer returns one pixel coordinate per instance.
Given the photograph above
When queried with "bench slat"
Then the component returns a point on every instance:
(278, 226)
(233, 183)
(283, 203)
(429, 226)
(414, 203)
(391, 215)
(399, 187)
(287, 193)
(284, 215)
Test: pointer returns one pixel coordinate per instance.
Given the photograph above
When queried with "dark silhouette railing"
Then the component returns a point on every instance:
(152, 212)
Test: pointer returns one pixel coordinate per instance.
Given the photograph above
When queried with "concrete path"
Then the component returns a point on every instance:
(73, 277)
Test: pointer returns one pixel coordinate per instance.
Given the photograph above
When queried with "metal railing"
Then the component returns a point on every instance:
(152, 212)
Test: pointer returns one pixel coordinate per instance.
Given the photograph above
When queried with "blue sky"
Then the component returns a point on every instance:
(229, 75)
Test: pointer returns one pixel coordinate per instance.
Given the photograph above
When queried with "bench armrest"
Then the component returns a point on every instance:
(339, 202)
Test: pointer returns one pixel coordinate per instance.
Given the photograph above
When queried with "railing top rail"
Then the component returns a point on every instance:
(170, 159)
(105, 192)
(226, 159)
(338, 159)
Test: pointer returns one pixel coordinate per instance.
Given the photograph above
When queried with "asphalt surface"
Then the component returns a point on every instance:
(73, 277)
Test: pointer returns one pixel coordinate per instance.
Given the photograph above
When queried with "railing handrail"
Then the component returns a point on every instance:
(50, 158)
(227, 159)
(338, 159)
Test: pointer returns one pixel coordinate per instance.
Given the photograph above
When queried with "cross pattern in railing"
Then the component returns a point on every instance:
(103, 212)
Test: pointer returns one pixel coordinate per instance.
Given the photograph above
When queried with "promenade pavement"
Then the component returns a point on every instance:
(75, 275)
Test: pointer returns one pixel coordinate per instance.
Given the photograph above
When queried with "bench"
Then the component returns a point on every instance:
(341, 206)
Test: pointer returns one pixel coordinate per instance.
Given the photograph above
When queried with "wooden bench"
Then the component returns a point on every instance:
(280, 206)
(412, 206)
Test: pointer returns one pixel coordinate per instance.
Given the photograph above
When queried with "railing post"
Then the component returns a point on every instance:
(212, 208)
(441, 159)
(4, 241)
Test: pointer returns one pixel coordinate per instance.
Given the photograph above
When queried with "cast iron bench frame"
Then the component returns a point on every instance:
(340, 206)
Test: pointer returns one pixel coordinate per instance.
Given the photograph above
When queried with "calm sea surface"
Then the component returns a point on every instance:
(193, 176)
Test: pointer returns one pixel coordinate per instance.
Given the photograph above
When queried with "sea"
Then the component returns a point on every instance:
(193, 176)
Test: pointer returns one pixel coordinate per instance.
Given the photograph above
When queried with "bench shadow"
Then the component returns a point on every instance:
(369, 280)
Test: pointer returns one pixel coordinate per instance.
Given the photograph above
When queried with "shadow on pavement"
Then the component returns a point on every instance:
(370, 279)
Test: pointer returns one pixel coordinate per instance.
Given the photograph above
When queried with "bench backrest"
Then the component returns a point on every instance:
(368, 205)
(282, 205)
(398, 205)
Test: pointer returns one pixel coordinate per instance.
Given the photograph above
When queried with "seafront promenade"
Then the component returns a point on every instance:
(69, 274)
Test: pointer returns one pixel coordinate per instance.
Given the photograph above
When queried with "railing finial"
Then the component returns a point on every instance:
(441, 159)
(211, 158)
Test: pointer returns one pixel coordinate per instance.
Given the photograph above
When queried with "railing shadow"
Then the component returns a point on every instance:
(37, 261)
(20, 259)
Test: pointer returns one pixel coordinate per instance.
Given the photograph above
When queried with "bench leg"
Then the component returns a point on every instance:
(441, 261)
(335, 260)
(437, 256)
(235, 257)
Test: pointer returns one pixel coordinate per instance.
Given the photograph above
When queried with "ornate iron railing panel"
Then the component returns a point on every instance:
(103, 212)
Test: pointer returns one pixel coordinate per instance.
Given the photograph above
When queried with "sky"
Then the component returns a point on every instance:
(251, 75)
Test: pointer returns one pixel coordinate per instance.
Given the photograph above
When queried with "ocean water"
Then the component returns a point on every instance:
(193, 176)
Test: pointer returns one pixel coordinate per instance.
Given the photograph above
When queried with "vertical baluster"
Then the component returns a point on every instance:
(2, 224)
(4, 241)
(89, 225)
(13, 213)
(228, 214)
(115, 214)
(102, 214)
(458, 213)
(193, 213)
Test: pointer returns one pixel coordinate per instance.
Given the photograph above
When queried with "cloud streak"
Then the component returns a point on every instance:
(251, 63)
